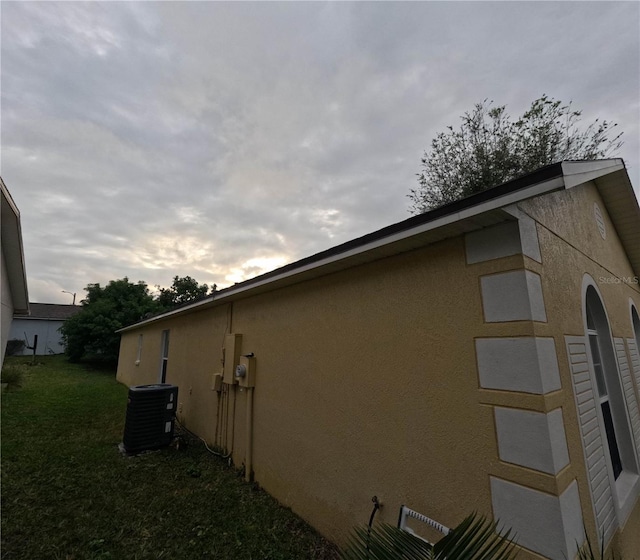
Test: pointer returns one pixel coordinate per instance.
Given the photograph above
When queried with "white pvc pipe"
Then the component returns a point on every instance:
(249, 431)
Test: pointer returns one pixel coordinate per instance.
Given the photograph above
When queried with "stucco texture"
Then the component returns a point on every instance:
(367, 379)
(572, 247)
(353, 398)
(7, 305)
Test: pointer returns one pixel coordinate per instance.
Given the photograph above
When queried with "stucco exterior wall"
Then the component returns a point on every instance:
(195, 354)
(366, 385)
(358, 399)
(15, 298)
(572, 247)
(438, 378)
(570, 215)
(7, 307)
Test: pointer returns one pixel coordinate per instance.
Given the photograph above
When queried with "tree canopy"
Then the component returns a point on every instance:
(182, 291)
(92, 331)
(490, 148)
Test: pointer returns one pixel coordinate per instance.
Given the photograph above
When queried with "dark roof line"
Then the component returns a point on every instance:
(538, 176)
(51, 311)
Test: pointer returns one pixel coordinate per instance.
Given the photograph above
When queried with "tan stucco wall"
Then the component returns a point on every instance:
(195, 354)
(367, 379)
(372, 396)
(7, 307)
(570, 216)
(626, 543)
(571, 247)
(352, 399)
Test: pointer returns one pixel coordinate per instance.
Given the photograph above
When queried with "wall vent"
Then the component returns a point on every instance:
(150, 419)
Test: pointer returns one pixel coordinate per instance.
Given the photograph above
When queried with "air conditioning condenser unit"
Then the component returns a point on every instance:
(150, 420)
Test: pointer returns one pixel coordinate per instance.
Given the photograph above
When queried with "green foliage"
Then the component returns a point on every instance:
(490, 149)
(476, 538)
(587, 552)
(92, 331)
(13, 375)
(183, 290)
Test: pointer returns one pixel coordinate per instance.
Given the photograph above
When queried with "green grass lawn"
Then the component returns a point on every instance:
(68, 493)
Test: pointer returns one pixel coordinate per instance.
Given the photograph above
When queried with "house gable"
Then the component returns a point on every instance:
(424, 363)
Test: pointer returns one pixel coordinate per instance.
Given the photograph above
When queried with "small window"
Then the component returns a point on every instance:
(139, 352)
(164, 357)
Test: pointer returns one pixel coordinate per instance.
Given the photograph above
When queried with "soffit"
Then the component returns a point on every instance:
(618, 196)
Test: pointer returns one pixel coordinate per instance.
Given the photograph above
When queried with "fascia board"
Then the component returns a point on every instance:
(579, 172)
(32, 318)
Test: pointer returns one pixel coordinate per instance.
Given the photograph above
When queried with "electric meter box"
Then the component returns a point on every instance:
(247, 366)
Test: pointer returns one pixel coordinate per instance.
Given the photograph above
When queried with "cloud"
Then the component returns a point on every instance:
(217, 139)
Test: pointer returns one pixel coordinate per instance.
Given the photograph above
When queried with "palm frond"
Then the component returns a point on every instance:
(386, 542)
(476, 538)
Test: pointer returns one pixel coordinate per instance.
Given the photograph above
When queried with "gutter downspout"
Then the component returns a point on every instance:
(234, 390)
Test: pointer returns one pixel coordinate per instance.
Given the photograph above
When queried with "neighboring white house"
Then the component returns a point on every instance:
(44, 321)
(15, 297)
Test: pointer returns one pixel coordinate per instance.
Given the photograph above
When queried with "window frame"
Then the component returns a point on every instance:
(139, 351)
(625, 485)
(601, 396)
(164, 356)
(635, 325)
(634, 316)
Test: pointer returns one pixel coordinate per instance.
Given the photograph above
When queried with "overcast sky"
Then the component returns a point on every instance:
(222, 140)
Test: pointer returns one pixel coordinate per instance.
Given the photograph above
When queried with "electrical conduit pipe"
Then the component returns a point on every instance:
(249, 433)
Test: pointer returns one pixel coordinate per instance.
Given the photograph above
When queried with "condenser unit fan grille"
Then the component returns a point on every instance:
(150, 417)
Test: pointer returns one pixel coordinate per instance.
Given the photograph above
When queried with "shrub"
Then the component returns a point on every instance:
(13, 375)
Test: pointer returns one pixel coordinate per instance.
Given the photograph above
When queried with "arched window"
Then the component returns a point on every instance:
(635, 320)
(610, 397)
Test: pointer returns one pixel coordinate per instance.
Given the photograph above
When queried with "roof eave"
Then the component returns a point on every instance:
(13, 250)
(622, 205)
